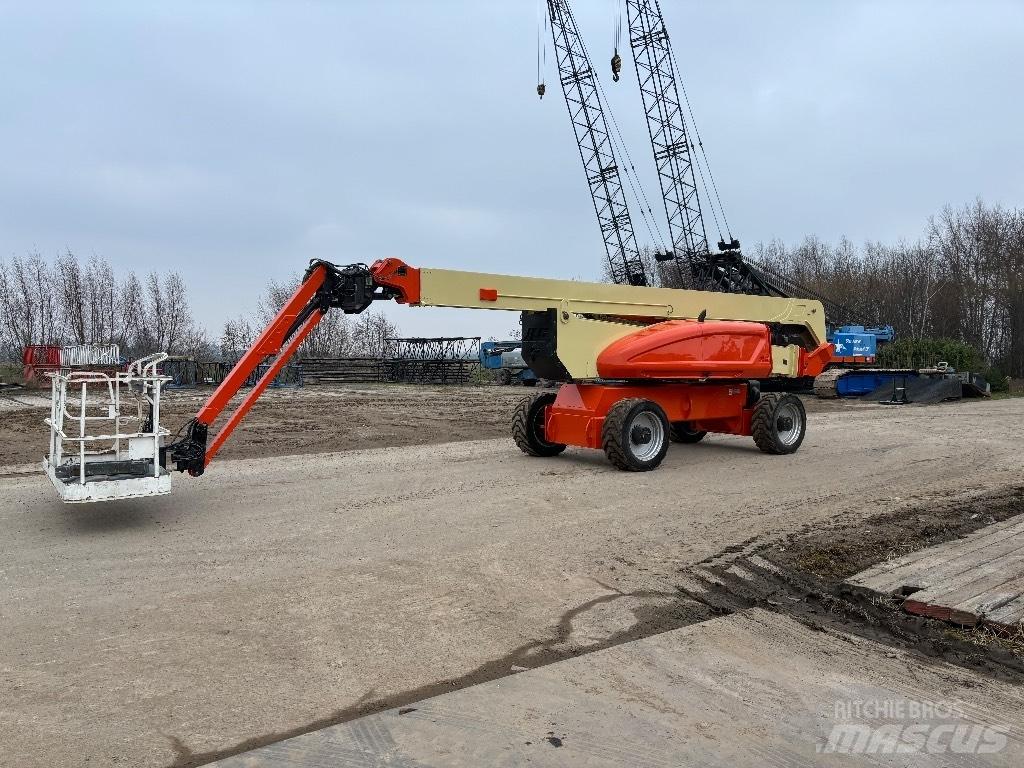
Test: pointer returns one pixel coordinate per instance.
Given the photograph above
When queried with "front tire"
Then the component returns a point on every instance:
(635, 435)
(528, 426)
(779, 423)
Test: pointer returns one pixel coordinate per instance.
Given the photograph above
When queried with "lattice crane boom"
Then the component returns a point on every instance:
(670, 140)
(586, 112)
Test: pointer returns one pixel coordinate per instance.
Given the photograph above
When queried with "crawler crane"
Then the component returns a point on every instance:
(640, 367)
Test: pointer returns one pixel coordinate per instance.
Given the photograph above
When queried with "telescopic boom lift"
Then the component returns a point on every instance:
(639, 367)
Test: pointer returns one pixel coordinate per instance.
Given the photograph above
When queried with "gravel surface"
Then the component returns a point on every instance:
(278, 593)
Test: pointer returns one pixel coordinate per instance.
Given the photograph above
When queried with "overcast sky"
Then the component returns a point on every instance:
(234, 141)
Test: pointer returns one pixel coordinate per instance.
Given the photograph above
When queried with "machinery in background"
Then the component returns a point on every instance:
(851, 371)
(506, 357)
(597, 143)
(898, 386)
(857, 345)
(38, 360)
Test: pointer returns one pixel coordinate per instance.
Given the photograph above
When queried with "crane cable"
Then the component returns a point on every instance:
(542, 47)
(696, 133)
(616, 40)
(711, 206)
(700, 141)
(629, 171)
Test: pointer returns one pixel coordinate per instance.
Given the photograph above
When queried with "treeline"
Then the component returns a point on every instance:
(963, 280)
(336, 335)
(73, 300)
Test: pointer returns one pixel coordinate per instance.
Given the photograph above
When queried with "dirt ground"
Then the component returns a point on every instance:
(280, 593)
(318, 419)
(308, 420)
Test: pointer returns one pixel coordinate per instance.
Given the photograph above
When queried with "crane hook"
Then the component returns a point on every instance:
(540, 89)
(616, 66)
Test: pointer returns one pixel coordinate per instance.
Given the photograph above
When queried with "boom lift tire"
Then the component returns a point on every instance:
(635, 435)
(528, 426)
(682, 433)
(779, 423)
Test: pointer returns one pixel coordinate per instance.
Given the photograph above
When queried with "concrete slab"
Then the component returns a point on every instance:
(751, 689)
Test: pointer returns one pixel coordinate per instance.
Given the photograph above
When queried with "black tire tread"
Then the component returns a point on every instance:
(611, 435)
(521, 432)
(679, 434)
(612, 431)
(762, 424)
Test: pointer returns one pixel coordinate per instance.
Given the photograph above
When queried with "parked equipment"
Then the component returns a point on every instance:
(506, 357)
(640, 367)
(41, 359)
(852, 372)
(901, 385)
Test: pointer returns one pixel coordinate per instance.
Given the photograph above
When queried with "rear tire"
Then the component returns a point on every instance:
(528, 426)
(682, 433)
(504, 377)
(779, 423)
(635, 435)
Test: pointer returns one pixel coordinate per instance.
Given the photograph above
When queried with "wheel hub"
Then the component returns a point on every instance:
(640, 435)
(789, 424)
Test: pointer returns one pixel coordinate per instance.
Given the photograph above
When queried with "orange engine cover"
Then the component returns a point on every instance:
(686, 349)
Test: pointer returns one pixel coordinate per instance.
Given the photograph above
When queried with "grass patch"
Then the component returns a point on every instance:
(986, 637)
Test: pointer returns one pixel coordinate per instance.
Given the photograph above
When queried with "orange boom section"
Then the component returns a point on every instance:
(687, 349)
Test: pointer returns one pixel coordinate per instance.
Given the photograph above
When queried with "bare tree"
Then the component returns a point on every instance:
(330, 338)
(72, 301)
(238, 335)
(369, 333)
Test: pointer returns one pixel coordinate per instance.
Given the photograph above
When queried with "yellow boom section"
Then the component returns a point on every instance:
(592, 315)
(455, 288)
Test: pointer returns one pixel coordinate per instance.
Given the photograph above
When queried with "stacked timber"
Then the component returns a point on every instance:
(396, 370)
(340, 370)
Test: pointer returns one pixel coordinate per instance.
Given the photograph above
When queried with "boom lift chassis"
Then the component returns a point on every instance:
(641, 367)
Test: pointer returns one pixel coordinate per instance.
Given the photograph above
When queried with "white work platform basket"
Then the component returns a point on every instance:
(105, 433)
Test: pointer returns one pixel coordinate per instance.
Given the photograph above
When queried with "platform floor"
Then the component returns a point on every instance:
(976, 580)
(750, 689)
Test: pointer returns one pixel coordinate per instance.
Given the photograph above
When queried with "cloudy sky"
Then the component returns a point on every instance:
(234, 141)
